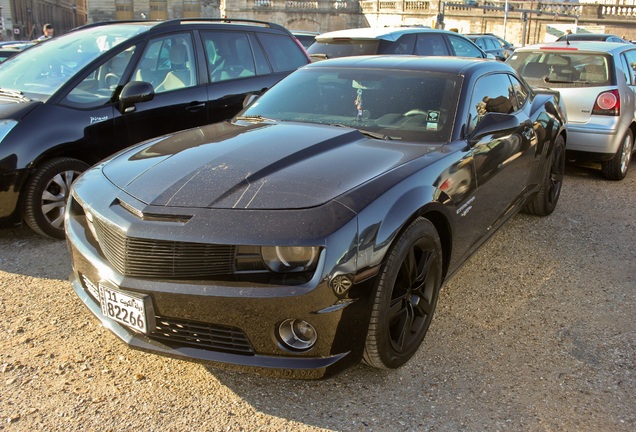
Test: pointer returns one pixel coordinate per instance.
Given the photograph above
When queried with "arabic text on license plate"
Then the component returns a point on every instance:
(124, 308)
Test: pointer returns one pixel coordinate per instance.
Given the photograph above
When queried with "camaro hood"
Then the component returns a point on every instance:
(256, 166)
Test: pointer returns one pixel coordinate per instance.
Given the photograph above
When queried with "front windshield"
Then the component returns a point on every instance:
(392, 104)
(42, 69)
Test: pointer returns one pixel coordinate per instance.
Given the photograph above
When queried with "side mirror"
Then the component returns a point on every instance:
(133, 93)
(494, 124)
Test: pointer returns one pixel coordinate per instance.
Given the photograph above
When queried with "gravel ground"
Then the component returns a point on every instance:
(535, 333)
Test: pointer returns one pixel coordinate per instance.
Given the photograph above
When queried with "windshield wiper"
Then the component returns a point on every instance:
(368, 133)
(14, 93)
(254, 118)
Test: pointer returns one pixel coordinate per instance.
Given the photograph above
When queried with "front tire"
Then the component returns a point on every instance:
(47, 193)
(405, 297)
(546, 199)
(616, 168)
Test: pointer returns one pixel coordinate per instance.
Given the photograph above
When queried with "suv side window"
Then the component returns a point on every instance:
(98, 87)
(493, 93)
(283, 52)
(464, 48)
(229, 55)
(168, 63)
(431, 44)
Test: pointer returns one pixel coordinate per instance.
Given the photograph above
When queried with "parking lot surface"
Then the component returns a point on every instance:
(535, 333)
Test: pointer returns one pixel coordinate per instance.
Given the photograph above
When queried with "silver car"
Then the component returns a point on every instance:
(597, 81)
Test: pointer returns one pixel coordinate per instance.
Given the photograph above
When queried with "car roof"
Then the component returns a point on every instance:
(590, 36)
(370, 33)
(585, 46)
(190, 21)
(454, 65)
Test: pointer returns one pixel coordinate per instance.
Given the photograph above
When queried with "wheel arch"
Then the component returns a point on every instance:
(404, 211)
(61, 151)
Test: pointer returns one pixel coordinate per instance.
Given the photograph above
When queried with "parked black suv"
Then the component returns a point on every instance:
(69, 102)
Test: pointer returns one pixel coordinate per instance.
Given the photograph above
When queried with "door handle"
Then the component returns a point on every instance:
(195, 106)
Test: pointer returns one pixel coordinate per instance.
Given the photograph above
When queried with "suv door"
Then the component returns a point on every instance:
(242, 63)
(169, 63)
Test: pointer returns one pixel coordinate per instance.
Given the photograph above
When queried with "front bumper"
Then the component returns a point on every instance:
(283, 367)
(234, 309)
(10, 185)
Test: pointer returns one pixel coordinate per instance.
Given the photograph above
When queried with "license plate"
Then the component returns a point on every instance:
(126, 308)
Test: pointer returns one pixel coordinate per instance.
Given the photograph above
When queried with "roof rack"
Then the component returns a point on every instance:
(165, 23)
(101, 23)
(224, 20)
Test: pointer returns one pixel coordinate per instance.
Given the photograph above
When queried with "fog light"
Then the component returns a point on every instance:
(297, 334)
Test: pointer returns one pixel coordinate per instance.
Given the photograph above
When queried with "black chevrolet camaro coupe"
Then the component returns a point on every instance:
(316, 228)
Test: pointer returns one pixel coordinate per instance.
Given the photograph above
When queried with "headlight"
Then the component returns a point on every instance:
(285, 259)
(5, 127)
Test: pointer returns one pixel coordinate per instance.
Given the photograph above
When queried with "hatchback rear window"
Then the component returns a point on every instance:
(344, 48)
(563, 69)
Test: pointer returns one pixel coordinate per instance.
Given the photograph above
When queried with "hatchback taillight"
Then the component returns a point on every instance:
(607, 103)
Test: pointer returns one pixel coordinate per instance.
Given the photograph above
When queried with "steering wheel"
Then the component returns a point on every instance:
(414, 112)
(111, 80)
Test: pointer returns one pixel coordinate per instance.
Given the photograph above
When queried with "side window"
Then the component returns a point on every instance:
(98, 87)
(283, 52)
(630, 57)
(168, 63)
(490, 44)
(520, 91)
(431, 44)
(463, 47)
(229, 55)
(481, 43)
(404, 45)
(492, 93)
(262, 66)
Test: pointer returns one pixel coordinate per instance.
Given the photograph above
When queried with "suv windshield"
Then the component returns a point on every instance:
(391, 104)
(41, 70)
(563, 69)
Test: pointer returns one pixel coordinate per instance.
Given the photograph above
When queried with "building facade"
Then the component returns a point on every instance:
(521, 22)
(24, 19)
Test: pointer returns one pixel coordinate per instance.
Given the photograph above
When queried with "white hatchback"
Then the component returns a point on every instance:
(597, 81)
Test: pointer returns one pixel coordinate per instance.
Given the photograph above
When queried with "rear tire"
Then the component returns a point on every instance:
(47, 193)
(405, 297)
(616, 168)
(546, 199)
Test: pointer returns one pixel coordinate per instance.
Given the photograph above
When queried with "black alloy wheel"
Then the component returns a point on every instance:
(405, 297)
(546, 199)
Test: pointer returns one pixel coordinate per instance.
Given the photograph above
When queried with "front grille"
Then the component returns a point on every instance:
(162, 258)
(201, 335)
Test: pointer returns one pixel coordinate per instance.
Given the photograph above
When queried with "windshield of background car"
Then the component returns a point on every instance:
(344, 48)
(563, 69)
(42, 69)
(416, 106)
